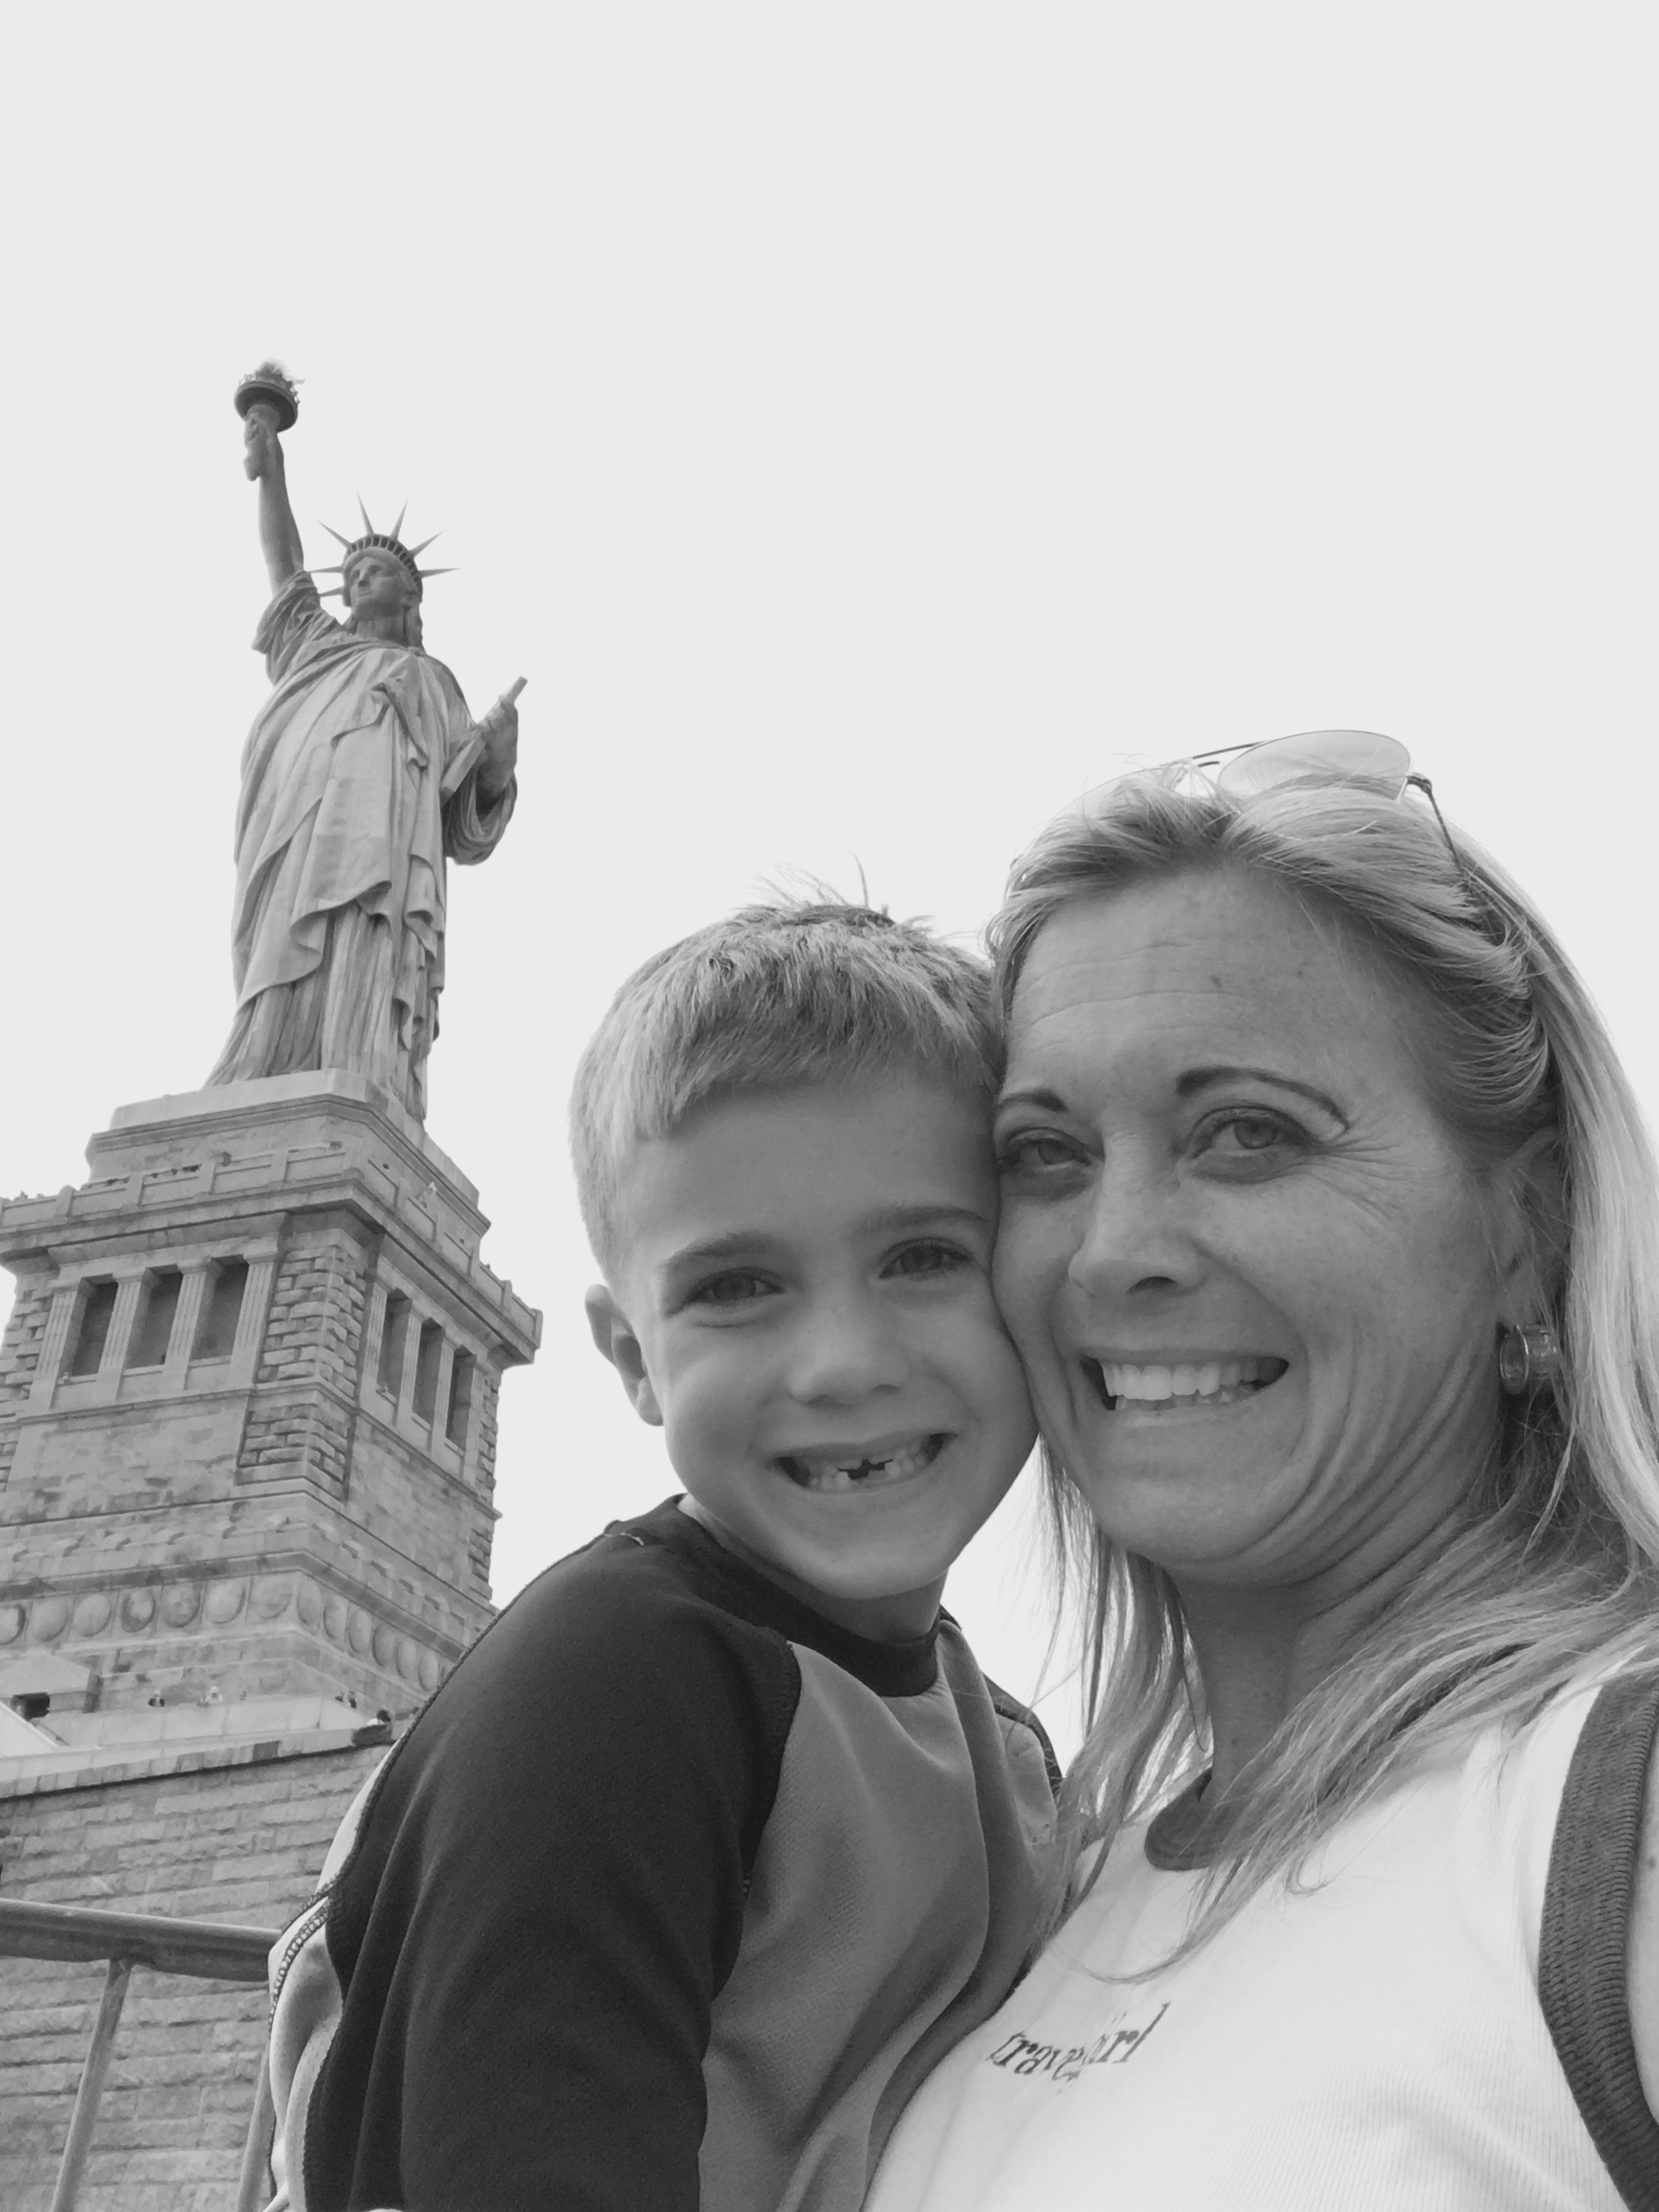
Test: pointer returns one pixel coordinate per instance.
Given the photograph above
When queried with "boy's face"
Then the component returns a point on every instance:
(804, 1303)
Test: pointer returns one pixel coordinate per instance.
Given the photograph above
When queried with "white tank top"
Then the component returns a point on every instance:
(1372, 2043)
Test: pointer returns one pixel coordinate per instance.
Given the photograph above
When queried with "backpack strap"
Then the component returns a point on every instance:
(1583, 1947)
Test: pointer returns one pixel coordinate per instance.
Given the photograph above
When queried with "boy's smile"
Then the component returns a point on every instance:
(886, 1459)
(804, 1303)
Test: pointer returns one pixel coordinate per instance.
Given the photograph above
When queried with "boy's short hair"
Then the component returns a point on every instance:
(771, 996)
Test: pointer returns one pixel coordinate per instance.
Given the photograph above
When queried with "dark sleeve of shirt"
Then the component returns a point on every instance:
(546, 1897)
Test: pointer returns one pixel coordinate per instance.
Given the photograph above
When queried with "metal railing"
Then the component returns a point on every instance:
(213, 1950)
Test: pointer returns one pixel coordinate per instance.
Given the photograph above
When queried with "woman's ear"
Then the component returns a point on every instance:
(614, 1334)
(1531, 1230)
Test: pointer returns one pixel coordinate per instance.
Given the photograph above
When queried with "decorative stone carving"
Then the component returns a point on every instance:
(137, 1610)
(270, 1597)
(94, 1613)
(223, 1602)
(180, 1603)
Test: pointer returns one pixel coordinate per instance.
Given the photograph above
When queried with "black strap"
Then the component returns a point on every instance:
(1583, 1965)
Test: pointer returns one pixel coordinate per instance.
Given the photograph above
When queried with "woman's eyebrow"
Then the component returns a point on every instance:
(1050, 1100)
(1199, 1078)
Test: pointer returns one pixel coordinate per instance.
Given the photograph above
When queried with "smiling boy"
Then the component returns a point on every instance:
(718, 1838)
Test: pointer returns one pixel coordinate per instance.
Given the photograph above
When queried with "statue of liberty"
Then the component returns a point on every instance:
(362, 774)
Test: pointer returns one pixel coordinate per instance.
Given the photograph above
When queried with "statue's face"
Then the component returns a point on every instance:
(376, 585)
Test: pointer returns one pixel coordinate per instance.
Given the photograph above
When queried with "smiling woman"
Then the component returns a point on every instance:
(1177, 1210)
(1328, 1241)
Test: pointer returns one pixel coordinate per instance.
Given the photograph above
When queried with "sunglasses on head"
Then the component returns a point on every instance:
(1323, 756)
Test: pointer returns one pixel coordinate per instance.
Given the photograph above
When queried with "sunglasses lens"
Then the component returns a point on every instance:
(1319, 757)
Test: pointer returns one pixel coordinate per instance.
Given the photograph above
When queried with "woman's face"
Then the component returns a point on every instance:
(1255, 1288)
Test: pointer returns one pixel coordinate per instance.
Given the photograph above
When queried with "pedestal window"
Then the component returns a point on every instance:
(428, 1356)
(92, 1327)
(221, 1309)
(158, 1308)
(459, 1414)
(394, 1332)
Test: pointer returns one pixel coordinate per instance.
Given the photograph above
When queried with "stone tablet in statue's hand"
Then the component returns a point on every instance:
(500, 731)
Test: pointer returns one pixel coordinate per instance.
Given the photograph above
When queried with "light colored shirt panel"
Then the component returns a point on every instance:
(1372, 2041)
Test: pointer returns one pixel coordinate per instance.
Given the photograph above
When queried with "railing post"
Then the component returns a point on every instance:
(85, 2117)
(215, 1950)
(254, 2187)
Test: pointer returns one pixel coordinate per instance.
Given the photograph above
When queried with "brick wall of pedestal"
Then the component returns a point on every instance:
(240, 1842)
(19, 1350)
(489, 1408)
(482, 1536)
(313, 1344)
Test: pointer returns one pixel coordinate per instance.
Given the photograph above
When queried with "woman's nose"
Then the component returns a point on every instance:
(1133, 1241)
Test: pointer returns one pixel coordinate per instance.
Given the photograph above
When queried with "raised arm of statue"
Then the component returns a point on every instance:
(279, 533)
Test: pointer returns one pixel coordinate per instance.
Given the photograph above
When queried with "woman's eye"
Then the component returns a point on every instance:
(1248, 1136)
(1030, 1151)
(927, 1259)
(735, 1289)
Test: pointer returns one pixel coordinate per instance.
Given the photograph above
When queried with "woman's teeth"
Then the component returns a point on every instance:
(1217, 1383)
(841, 1471)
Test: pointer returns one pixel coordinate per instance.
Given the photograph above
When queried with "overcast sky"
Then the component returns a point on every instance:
(864, 425)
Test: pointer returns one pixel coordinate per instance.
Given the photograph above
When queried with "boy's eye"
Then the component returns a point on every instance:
(927, 1258)
(735, 1288)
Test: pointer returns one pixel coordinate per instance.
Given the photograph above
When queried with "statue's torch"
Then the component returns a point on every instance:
(272, 392)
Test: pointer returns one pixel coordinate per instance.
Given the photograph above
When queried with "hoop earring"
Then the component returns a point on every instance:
(1529, 1359)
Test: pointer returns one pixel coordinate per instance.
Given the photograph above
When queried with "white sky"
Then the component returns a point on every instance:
(866, 425)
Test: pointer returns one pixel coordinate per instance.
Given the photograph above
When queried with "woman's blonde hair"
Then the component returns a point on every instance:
(1556, 1566)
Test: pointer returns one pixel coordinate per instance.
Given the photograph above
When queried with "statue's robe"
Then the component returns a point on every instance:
(359, 781)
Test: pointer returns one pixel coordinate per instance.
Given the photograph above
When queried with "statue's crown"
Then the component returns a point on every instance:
(382, 541)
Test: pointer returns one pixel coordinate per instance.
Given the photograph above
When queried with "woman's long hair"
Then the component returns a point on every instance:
(1555, 1568)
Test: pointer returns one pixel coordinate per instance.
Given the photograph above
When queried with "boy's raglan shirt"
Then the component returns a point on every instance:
(669, 1898)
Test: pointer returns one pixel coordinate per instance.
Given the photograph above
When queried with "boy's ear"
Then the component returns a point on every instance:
(613, 1333)
(1533, 1246)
